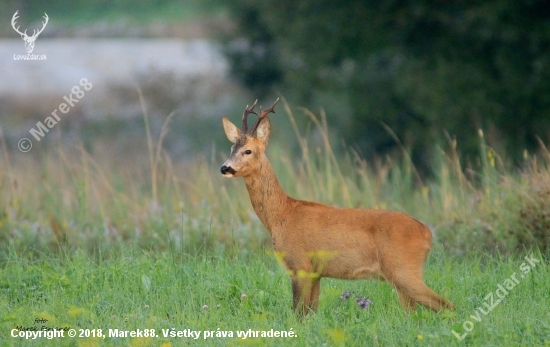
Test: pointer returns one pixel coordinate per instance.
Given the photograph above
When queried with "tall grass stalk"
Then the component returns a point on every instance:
(71, 196)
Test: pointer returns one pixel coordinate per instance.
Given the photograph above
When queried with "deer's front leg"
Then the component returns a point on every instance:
(315, 292)
(301, 293)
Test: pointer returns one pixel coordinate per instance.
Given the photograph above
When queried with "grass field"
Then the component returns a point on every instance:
(96, 239)
(136, 289)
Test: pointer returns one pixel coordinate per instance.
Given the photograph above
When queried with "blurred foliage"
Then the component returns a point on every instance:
(124, 187)
(423, 68)
(136, 11)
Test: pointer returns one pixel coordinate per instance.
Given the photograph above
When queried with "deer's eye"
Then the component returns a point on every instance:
(248, 151)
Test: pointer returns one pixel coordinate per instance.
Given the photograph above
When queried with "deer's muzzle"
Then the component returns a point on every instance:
(227, 169)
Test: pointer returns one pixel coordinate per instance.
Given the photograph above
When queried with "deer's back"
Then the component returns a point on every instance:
(348, 243)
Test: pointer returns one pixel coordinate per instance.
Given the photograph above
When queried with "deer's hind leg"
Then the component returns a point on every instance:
(406, 301)
(426, 297)
(406, 278)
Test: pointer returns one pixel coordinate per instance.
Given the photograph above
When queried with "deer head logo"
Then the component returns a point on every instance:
(29, 40)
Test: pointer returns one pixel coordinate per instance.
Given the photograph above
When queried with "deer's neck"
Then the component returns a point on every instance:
(267, 197)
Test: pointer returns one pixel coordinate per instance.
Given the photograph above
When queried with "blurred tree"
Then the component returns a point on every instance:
(421, 67)
(254, 60)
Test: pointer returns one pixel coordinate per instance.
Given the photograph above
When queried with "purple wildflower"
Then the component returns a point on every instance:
(345, 295)
(363, 302)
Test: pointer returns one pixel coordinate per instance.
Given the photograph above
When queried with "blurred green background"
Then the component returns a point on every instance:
(427, 70)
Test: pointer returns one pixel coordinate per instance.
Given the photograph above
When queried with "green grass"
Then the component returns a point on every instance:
(136, 289)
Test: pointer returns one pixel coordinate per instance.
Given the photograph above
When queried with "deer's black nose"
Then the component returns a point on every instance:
(226, 169)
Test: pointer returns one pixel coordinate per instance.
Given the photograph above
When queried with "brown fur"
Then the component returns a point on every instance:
(316, 240)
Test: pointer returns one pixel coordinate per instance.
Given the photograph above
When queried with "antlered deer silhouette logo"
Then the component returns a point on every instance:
(29, 40)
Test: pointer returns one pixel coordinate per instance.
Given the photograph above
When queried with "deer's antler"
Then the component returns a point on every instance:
(13, 23)
(43, 26)
(247, 111)
(262, 115)
(24, 34)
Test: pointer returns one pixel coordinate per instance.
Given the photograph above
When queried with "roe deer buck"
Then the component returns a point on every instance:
(317, 240)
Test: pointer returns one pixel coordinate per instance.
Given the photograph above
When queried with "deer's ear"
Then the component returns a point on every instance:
(264, 129)
(231, 131)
